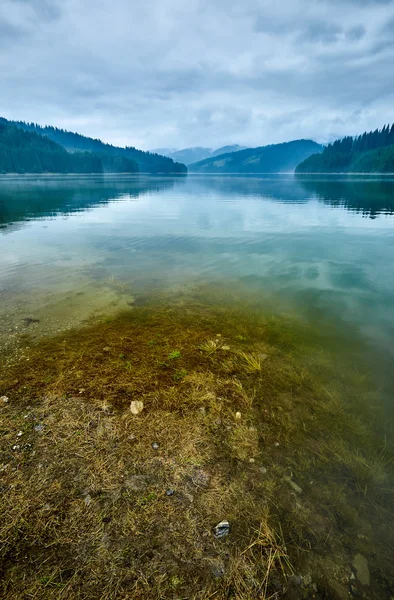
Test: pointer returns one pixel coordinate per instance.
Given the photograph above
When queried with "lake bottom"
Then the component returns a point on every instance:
(127, 440)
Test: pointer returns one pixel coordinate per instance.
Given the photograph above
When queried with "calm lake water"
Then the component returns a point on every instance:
(319, 248)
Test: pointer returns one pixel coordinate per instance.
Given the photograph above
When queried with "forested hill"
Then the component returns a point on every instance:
(371, 152)
(146, 162)
(28, 152)
(276, 158)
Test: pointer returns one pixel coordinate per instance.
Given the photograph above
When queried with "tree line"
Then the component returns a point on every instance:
(146, 162)
(367, 153)
(28, 152)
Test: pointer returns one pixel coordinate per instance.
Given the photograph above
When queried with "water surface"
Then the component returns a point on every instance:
(319, 248)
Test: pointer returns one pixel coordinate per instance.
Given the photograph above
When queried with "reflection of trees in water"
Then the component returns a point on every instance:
(22, 199)
(365, 196)
(30, 198)
(370, 198)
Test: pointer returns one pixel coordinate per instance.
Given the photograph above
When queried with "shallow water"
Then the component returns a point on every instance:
(320, 248)
(230, 252)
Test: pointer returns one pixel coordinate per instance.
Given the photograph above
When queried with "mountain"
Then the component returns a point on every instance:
(371, 152)
(27, 152)
(227, 150)
(192, 155)
(146, 162)
(276, 158)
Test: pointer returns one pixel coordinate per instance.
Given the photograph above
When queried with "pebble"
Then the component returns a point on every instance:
(136, 407)
(218, 568)
(4, 399)
(170, 492)
(19, 434)
(263, 470)
(155, 446)
(360, 563)
(276, 444)
(238, 415)
(222, 529)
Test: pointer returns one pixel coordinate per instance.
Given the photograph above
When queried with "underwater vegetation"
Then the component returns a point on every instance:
(241, 420)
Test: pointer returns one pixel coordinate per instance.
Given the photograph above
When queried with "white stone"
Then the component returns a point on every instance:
(136, 407)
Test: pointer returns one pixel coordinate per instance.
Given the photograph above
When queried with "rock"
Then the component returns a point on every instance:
(155, 446)
(263, 470)
(222, 529)
(293, 484)
(360, 563)
(238, 416)
(19, 434)
(136, 407)
(29, 321)
(217, 568)
(170, 492)
(4, 399)
(295, 580)
(337, 590)
(137, 483)
(201, 478)
(355, 591)
(276, 444)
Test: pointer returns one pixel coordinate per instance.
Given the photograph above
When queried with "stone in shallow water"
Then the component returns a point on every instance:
(222, 529)
(360, 563)
(136, 407)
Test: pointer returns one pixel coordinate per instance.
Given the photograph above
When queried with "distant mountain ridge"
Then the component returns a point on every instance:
(195, 154)
(371, 152)
(146, 162)
(275, 158)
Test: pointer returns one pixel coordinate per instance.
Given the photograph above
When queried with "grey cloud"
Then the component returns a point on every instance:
(355, 33)
(325, 33)
(166, 73)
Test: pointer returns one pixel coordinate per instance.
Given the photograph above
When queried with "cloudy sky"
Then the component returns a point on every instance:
(177, 73)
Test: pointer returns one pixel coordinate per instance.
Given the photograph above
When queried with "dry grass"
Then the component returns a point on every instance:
(84, 504)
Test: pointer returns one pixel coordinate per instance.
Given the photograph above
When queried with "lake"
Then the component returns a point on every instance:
(315, 253)
(321, 248)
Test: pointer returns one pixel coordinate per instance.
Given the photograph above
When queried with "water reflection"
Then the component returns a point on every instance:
(23, 198)
(368, 197)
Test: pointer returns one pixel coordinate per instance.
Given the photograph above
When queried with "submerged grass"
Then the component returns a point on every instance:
(247, 425)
